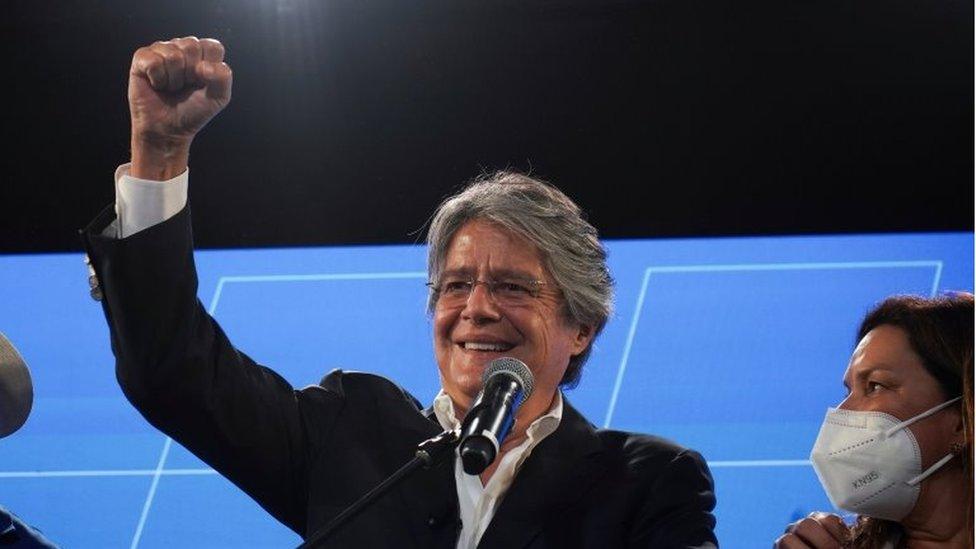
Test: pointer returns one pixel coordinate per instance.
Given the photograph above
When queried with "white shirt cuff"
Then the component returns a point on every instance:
(142, 203)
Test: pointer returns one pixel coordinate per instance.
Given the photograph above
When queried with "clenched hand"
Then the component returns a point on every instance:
(175, 88)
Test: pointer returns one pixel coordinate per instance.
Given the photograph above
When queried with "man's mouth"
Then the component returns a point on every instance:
(499, 347)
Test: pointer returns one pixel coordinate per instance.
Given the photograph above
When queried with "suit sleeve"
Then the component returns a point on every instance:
(176, 366)
(678, 512)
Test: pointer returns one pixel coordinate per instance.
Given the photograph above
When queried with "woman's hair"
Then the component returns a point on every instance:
(535, 210)
(940, 331)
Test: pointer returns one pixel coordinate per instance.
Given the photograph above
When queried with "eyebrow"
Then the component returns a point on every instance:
(495, 273)
(865, 373)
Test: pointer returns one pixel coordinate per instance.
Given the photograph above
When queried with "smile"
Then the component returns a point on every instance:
(487, 347)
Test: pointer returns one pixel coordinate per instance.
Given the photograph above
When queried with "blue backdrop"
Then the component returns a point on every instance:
(733, 346)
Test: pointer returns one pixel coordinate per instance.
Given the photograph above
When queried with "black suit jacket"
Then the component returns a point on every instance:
(304, 455)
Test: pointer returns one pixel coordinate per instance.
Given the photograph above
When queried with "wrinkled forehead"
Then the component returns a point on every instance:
(482, 247)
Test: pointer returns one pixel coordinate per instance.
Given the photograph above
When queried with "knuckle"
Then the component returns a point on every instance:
(827, 519)
(172, 55)
(222, 71)
(189, 44)
(162, 46)
(148, 52)
(215, 45)
(806, 525)
(144, 57)
(783, 541)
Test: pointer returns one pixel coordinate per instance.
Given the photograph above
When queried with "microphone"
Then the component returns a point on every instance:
(506, 383)
(16, 389)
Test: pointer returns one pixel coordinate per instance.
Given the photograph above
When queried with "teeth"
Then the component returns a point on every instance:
(473, 346)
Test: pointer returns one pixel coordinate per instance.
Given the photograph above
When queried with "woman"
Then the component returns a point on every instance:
(898, 450)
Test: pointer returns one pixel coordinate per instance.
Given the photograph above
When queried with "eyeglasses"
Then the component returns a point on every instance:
(453, 292)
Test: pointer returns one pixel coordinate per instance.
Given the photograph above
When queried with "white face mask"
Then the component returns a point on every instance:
(869, 462)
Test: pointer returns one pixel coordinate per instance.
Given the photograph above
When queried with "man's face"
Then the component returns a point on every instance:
(470, 334)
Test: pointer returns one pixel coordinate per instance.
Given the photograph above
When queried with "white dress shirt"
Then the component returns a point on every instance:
(478, 502)
(142, 203)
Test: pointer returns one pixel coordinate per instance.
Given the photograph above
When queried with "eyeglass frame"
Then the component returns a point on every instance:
(535, 287)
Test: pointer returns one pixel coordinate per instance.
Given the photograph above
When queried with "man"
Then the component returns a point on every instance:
(514, 271)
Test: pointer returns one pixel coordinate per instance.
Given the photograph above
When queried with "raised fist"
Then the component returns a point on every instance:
(175, 88)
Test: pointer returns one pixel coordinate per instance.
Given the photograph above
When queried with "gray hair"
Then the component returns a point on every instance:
(542, 214)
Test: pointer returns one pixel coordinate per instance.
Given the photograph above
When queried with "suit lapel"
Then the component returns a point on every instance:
(560, 470)
(428, 495)
(442, 507)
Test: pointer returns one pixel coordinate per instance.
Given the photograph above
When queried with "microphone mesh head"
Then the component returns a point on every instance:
(16, 389)
(512, 367)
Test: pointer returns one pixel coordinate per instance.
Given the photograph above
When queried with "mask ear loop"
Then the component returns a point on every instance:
(919, 417)
(935, 466)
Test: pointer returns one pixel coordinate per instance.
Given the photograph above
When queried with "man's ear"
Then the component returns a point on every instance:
(584, 335)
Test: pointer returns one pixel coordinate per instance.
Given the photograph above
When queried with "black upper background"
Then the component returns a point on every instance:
(351, 120)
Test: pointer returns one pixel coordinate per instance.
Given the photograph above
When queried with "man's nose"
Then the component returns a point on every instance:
(481, 305)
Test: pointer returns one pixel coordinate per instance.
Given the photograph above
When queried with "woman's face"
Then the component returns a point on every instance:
(886, 375)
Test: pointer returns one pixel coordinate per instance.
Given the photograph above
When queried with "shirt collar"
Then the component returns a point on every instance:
(539, 429)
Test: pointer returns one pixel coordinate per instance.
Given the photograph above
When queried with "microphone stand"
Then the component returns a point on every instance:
(429, 453)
